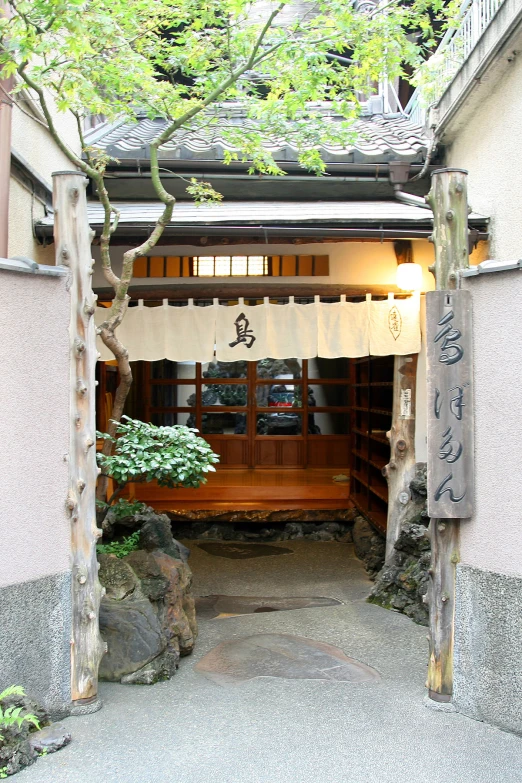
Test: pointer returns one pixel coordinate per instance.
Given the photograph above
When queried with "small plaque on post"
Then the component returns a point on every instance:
(450, 404)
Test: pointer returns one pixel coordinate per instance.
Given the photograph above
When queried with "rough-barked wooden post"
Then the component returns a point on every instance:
(448, 200)
(73, 249)
(401, 468)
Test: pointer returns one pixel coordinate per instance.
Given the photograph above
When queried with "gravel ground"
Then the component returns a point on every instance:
(270, 730)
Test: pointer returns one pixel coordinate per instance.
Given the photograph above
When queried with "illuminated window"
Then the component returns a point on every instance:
(227, 266)
(204, 266)
(231, 266)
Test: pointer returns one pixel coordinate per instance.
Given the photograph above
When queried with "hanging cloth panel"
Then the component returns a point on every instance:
(190, 333)
(395, 326)
(241, 333)
(291, 331)
(343, 330)
(254, 332)
(142, 332)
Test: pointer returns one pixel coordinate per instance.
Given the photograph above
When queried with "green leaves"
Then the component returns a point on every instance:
(172, 456)
(121, 548)
(14, 716)
(197, 63)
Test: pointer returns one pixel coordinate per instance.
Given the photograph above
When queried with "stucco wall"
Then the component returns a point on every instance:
(34, 427)
(37, 147)
(351, 263)
(24, 209)
(36, 144)
(492, 538)
(488, 146)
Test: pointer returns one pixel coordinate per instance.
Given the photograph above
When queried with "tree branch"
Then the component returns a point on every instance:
(75, 160)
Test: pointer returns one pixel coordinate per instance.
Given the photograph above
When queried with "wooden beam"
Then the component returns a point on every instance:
(73, 249)
(260, 240)
(254, 290)
(448, 200)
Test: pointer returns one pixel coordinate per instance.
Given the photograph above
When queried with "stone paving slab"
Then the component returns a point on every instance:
(209, 607)
(281, 655)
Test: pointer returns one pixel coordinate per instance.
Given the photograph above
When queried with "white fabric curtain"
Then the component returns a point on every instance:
(253, 332)
(181, 334)
(343, 329)
(394, 326)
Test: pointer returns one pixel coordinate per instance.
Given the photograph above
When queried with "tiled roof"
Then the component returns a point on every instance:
(255, 213)
(380, 138)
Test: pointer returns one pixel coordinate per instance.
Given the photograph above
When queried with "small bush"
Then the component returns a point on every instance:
(173, 456)
(121, 548)
(14, 716)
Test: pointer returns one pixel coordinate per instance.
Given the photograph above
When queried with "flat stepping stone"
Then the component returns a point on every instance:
(241, 551)
(211, 607)
(281, 655)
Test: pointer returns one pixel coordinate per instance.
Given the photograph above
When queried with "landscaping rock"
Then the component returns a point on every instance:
(117, 577)
(16, 753)
(261, 525)
(178, 613)
(148, 616)
(153, 584)
(29, 707)
(402, 584)
(345, 538)
(21, 745)
(419, 485)
(362, 534)
(50, 739)
(156, 533)
(161, 668)
(133, 634)
(374, 560)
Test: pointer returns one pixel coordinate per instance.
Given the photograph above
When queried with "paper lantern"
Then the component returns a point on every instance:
(409, 277)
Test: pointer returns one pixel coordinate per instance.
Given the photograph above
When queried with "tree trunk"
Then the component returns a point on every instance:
(125, 372)
(73, 241)
(401, 468)
(448, 200)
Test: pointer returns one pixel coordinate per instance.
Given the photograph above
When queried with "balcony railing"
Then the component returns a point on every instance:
(454, 49)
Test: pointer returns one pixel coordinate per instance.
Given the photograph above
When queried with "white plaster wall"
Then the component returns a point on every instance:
(489, 148)
(36, 144)
(24, 210)
(351, 263)
(492, 538)
(34, 427)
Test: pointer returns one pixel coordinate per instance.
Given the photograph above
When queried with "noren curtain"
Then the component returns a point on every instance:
(253, 332)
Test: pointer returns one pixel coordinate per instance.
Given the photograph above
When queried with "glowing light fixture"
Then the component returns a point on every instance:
(409, 277)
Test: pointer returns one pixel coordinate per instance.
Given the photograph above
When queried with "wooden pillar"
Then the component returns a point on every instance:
(73, 249)
(401, 468)
(448, 200)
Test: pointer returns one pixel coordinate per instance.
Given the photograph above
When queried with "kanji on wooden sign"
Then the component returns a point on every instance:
(450, 404)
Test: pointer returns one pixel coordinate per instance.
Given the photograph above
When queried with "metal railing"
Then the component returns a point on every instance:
(454, 49)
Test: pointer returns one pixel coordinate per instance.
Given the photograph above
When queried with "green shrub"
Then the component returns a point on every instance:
(121, 548)
(14, 716)
(172, 456)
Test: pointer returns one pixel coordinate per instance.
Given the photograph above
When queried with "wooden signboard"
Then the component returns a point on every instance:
(450, 404)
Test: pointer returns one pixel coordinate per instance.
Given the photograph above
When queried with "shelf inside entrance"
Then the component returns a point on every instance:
(372, 402)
